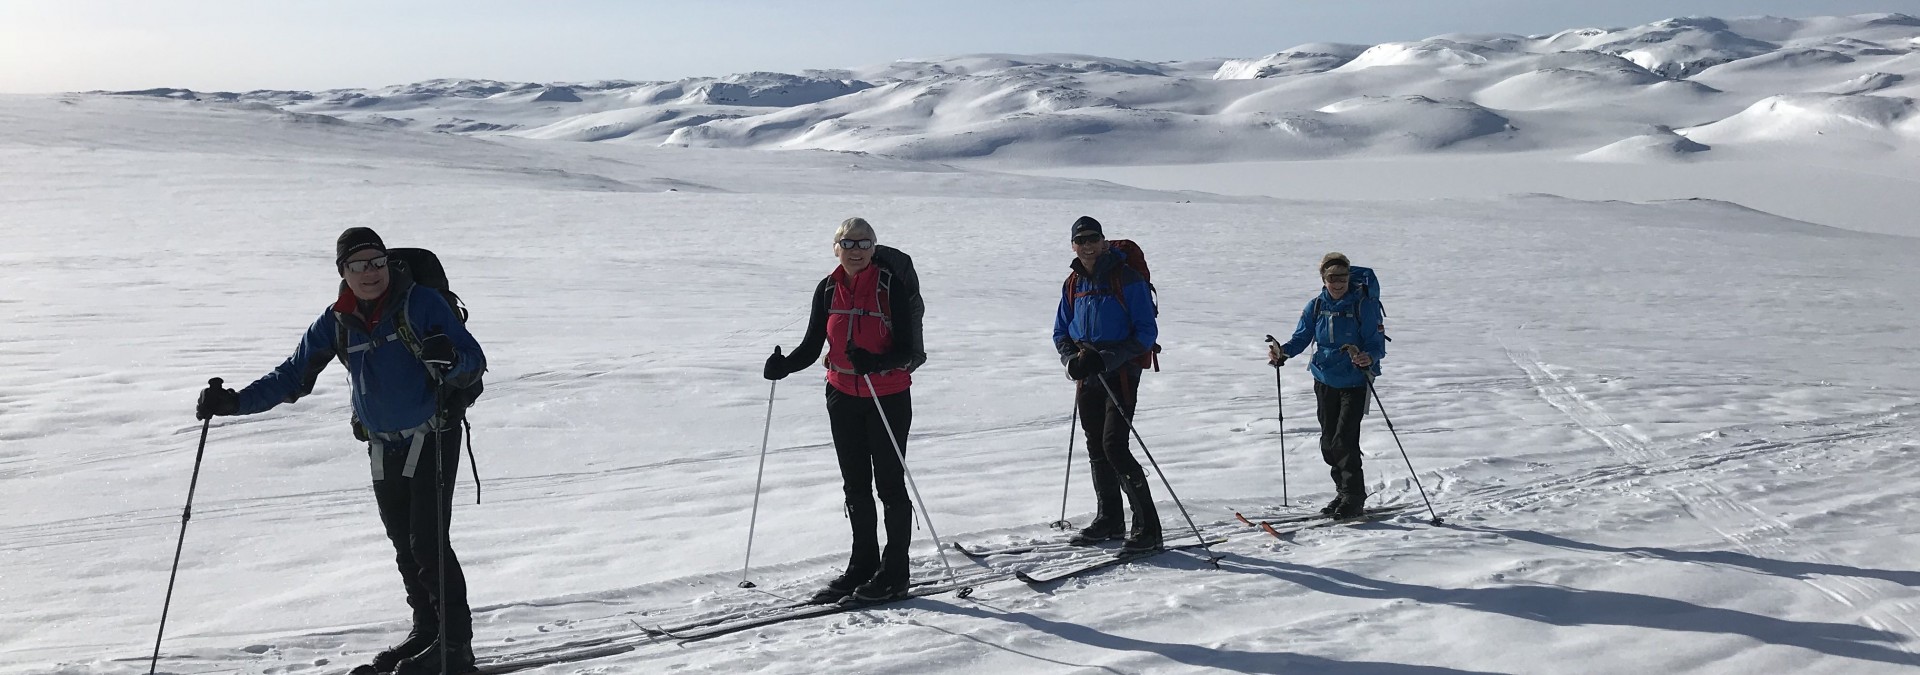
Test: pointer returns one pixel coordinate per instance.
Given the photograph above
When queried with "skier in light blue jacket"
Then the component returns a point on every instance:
(1349, 339)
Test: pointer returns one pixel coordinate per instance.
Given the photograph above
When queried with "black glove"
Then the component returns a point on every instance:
(437, 352)
(776, 366)
(216, 400)
(1085, 364)
(864, 362)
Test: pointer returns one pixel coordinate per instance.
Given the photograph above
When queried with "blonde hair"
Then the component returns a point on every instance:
(855, 227)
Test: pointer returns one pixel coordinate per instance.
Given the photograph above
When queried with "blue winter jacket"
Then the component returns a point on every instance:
(1090, 312)
(1331, 324)
(392, 391)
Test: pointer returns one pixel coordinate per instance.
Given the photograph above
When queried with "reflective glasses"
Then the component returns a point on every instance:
(1085, 239)
(370, 264)
(862, 244)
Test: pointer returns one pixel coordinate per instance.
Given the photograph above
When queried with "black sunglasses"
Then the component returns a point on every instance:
(862, 244)
(362, 266)
(1087, 239)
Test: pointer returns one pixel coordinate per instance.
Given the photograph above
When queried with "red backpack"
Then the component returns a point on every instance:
(1134, 258)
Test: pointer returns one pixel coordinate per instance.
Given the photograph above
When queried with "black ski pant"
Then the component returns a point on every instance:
(868, 465)
(1340, 412)
(1105, 423)
(417, 516)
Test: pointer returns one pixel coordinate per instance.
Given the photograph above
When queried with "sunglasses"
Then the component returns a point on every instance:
(1087, 239)
(1336, 278)
(862, 244)
(364, 266)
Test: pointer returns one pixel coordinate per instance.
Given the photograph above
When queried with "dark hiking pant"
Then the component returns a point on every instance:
(868, 466)
(1340, 412)
(1107, 434)
(417, 518)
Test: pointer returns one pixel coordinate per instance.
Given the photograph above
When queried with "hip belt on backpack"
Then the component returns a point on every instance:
(412, 439)
(850, 371)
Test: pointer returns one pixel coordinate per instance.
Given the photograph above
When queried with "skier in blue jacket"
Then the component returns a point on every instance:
(1104, 325)
(401, 411)
(1350, 340)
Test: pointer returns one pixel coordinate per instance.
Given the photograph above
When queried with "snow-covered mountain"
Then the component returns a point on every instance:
(1575, 92)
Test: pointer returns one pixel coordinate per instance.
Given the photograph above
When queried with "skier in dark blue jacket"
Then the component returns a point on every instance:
(1350, 340)
(399, 408)
(1104, 325)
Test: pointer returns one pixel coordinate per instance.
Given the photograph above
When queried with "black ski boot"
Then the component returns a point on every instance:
(1351, 506)
(1098, 531)
(841, 586)
(1333, 507)
(1109, 520)
(384, 662)
(892, 582)
(883, 587)
(1145, 535)
(427, 662)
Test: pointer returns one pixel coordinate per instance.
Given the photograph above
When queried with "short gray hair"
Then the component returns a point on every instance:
(855, 227)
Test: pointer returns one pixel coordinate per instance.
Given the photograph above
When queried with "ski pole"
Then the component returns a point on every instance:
(440, 502)
(1211, 558)
(1353, 350)
(1280, 396)
(902, 456)
(1073, 425)
(754, 519)
(186, 514)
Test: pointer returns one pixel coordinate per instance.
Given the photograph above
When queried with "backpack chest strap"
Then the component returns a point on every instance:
(373, 342)
(857, 312)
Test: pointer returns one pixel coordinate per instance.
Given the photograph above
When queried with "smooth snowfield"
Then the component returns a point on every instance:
(1667, 437)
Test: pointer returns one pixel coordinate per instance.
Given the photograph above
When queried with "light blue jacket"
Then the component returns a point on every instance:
(1332, 324)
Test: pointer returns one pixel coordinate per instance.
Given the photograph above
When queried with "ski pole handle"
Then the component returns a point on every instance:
(1353, 351)
(215, 383)
(1270, 340)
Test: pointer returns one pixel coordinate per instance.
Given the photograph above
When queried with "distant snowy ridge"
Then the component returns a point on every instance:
(1576, 92)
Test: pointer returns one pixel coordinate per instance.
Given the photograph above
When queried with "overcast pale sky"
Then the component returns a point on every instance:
(207, 45)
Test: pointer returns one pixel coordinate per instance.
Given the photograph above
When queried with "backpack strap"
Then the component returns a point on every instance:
(414, 439)
(403, 328)
(340, 341)
(403, 333)
(882, 298)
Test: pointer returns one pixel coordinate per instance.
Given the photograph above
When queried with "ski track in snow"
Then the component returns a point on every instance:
(1742, 524)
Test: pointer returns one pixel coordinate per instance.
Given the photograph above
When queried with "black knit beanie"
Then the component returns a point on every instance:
(355, 240)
